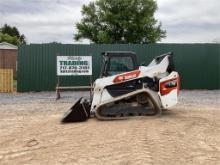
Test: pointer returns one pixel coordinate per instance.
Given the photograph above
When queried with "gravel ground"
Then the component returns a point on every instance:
(31, 133)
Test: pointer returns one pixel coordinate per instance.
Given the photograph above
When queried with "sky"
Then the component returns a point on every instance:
(43, 21)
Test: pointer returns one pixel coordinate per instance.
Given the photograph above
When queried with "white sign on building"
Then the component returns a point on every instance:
(74, 65)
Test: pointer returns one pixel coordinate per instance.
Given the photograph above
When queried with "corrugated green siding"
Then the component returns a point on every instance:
(198, 64)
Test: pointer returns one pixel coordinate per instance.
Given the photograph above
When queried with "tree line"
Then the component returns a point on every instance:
(11, 35)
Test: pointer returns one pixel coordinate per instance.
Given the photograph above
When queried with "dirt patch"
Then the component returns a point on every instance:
(31, 133)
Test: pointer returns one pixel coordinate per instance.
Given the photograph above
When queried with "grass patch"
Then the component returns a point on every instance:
(15, 85)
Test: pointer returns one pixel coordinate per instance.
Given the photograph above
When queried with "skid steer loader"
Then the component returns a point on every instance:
(125, 89)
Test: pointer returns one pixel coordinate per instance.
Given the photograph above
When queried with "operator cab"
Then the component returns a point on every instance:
(116, 62)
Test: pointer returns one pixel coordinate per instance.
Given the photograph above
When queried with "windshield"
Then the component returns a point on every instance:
(119, 64)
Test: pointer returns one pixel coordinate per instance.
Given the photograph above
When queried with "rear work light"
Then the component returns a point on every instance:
(169, 85)
(126, 76)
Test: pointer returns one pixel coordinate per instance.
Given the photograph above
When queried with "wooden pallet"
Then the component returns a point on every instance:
(6, 80)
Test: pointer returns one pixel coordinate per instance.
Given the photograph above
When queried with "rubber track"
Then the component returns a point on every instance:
(152, 97)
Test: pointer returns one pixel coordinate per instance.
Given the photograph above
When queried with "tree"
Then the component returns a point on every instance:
(11, 35)
(120, 21)
(10, 39)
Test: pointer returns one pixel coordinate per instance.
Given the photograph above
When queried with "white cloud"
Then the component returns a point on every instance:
(48, 21)
(43, 21)
(190, 20)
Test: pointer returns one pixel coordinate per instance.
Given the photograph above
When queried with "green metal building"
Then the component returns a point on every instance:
(198, 64)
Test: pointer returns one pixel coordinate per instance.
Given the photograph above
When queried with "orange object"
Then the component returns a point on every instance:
(169, 85)
(126, 76)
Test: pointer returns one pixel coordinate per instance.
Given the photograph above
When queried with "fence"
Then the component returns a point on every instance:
(6, 80)
(198, 64)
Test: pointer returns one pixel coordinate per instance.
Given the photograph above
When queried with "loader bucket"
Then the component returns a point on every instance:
(79, 112)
